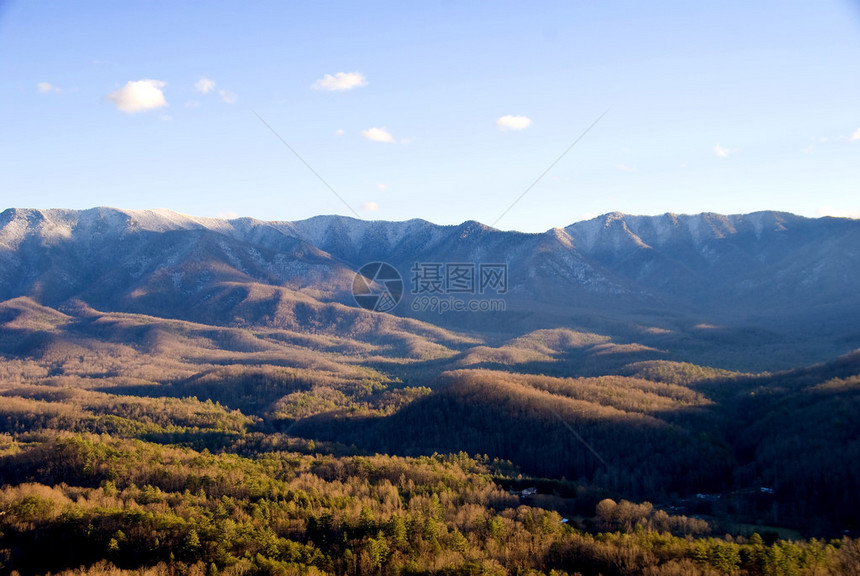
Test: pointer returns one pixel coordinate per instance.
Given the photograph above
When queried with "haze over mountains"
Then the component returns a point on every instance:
(771, 277)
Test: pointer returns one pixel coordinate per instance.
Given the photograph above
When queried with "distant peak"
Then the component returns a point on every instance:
(561, 236)
(474, 226)
(330, 218)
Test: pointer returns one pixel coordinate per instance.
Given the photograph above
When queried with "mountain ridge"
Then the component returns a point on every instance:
(773, 271)
(161, 216)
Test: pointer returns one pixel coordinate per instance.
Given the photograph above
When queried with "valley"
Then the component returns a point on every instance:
(206, 395)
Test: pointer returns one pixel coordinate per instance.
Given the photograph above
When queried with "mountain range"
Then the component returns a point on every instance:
(648, 357)
(769, 288)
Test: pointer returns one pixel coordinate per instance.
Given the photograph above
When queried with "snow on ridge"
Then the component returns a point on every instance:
(588, 231)
(15, 230)
(561, 236)
(56, 224)
(762, 220)
(395, 232)
(161, 220)
(318, 229)
(614, 229)
(50, 225)
(314, 230)
(695, 224)
(700, 229)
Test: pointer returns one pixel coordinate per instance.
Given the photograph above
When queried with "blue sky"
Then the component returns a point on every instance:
(445, 111)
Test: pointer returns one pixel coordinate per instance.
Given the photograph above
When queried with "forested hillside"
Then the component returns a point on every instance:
(137, 442)
(206, 401)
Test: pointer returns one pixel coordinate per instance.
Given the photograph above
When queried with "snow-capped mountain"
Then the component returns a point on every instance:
(766, 268)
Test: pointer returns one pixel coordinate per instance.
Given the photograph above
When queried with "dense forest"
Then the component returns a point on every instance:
(131, 444)
(109, 504)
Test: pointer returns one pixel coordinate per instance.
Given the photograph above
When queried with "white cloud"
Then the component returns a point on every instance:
(513, 122)
(369, 207)
(838, 212)
(45, 87)
(382, 186)
(722, 152)
(227, 96)
(856, 135)
(338, 133)
(204, 85)
(340, 81)
(137, 96)
(378, 135)
(624, 168)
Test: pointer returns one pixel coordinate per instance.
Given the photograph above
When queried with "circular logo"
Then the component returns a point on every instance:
(378, 287)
